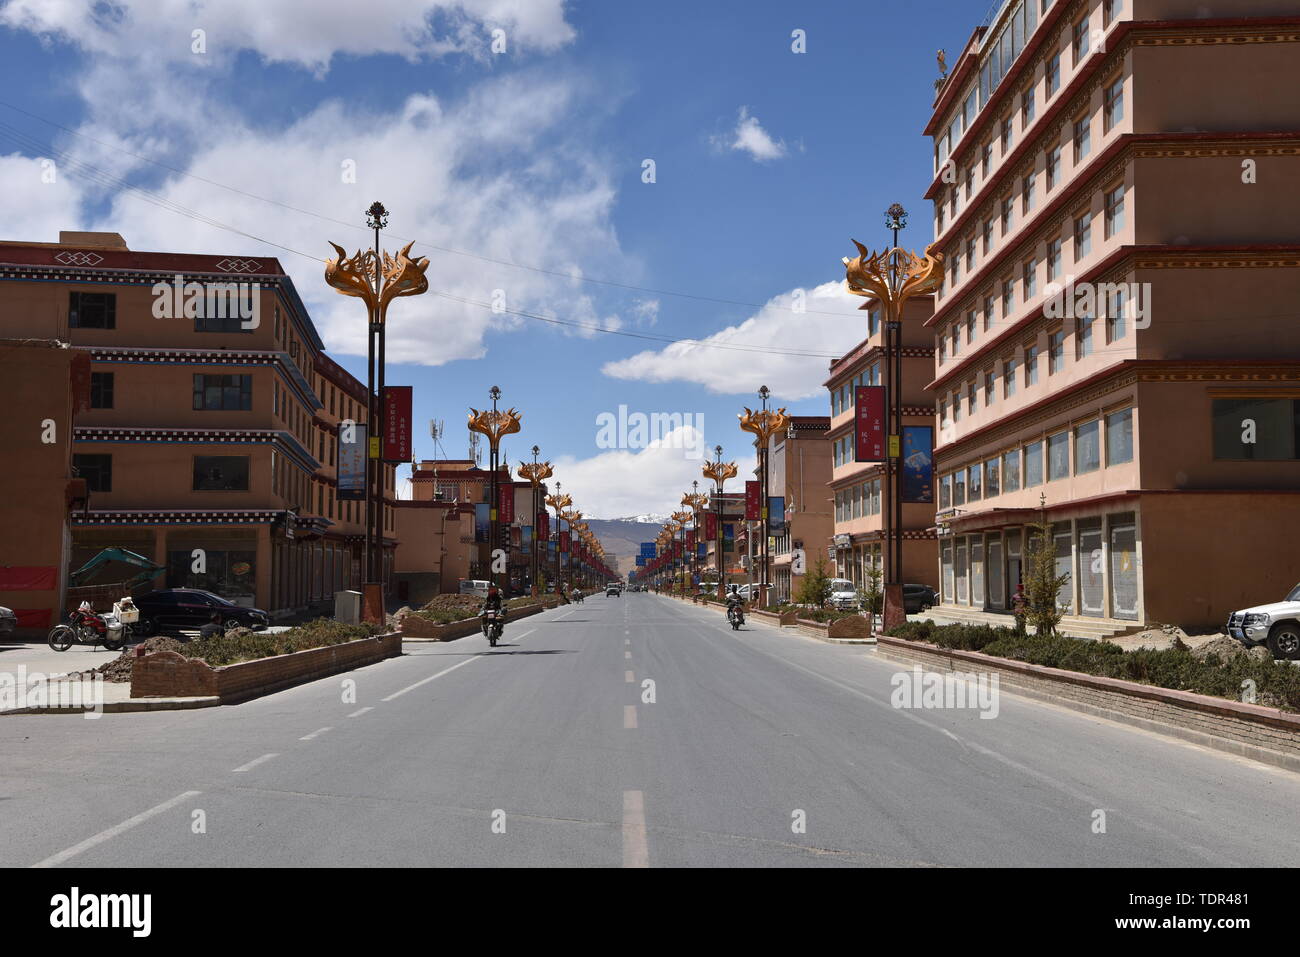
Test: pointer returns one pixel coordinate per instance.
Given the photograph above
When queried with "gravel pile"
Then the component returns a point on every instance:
(119, 669)
(1229, 649)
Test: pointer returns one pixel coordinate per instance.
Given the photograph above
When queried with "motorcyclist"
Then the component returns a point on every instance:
(577, 594)
(492, 603)
(734, 600)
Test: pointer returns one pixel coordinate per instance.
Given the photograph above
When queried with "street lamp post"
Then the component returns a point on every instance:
(377, 279)
(719, 472)
(558, 502)
(535, 472)
(764, 423)
(494, 425)
(892, 277)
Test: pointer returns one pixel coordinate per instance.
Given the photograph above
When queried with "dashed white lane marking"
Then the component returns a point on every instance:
(635, 851)
(361, 711)
(629, 716)
(255, 762)
(424, 681)
(627, 677)
(627, 654)
(112, 832)
(308, 737)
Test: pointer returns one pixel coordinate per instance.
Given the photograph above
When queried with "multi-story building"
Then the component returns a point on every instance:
(211, 439)
(799, 469)
(733, 520)
(861, 492)
(1142, 154)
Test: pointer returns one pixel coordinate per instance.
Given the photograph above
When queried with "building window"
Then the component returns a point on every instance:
(1115, 310)
(1114, 212)
(1008, 297)
(223, 392)
(1119, 437)
(992, 479)
(972, 389)
(1027, 194)
(988, 312)
(1034, 464)
(1006, 135)
(974, 483)
(1053, 167)
(1054, 258)
(945, 491)
(1082, 236)
(1080, 44)
(1030, 275)
(1011, 471)
(1114, 104)
(1087, 447)
(1053, 73)
(956, 406)
(97, 470)
(1058, 456)
(959, 487)
(1008, 210)
(221, 473)
(970, 326)
(970, 182)
(1009, 378)
(1031, 366)
(1056, 352)
(988, 236)
(1082, 139)
(1026, 108)
(1257, 428)
(989, 380)
(970, 254)
(1083, 337)
(101, 390)
(92, 310)
(1110, 11)
(986, 158)
(221, 308)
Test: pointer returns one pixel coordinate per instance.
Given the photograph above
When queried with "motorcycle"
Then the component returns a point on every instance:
(736, 616)
(85, 627)
(577, 597)
(493, 624)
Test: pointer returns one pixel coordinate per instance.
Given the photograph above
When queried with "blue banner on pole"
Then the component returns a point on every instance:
(775, 511)
(481, 520)
(918, 464)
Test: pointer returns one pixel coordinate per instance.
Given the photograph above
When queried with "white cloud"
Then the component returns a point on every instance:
(306, 33)
(619, 483)
(831, 323)
(750, 137)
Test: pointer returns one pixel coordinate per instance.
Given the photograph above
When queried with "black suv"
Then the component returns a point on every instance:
(917, 598)
(174, 609)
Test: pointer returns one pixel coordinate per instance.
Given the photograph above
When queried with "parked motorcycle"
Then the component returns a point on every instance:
(736, 616)
(85, 627)
(493, 625)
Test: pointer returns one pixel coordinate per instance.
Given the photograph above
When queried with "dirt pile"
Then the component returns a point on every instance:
(1228, 649)
(119, 669)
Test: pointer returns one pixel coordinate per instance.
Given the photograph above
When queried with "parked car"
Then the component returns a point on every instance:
(174, 609)
(8, 621)
(917, 598)
(612, 589)
(1276, 625)
(474, 586)
(844, 595)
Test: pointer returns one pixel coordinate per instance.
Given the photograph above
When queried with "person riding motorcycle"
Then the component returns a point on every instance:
(577, 595)
(734, 600)
(492, 602)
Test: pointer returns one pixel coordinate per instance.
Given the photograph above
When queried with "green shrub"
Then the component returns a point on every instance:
(250, 645)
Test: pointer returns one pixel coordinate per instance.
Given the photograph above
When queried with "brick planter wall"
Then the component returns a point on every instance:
(414, 626)
(166, 674)
(1264, 734)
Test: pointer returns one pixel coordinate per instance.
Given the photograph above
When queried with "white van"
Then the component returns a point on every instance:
(844, 594)
(472, 586)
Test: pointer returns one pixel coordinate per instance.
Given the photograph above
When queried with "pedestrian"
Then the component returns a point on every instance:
(214, 628)
(1020, 607)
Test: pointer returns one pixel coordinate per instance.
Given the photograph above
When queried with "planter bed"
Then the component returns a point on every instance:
(415, 628)
(167, 674)
(1268, 735)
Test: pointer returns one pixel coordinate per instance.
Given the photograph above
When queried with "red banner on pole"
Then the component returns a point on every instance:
(753, 493)
(543, 526)
(506, 504)
(690, 539)
(397, 423)
(869, 423)
(710, 525)
(564, 541)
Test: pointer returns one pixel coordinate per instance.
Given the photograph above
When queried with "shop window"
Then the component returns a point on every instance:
(221, 473)
(1258, 429)
(97, 470)
(1119, 437)
(1058, 456)
(92, 310)
(1087, 447)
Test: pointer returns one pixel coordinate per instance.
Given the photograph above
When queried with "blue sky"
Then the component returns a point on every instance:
(766, 162)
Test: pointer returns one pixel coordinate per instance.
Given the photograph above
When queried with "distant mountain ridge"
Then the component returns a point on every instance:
(622, 537)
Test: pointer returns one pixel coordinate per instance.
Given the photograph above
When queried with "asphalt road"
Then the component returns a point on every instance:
(547, 751)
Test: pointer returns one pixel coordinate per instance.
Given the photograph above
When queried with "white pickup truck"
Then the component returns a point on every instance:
(1276, 625)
